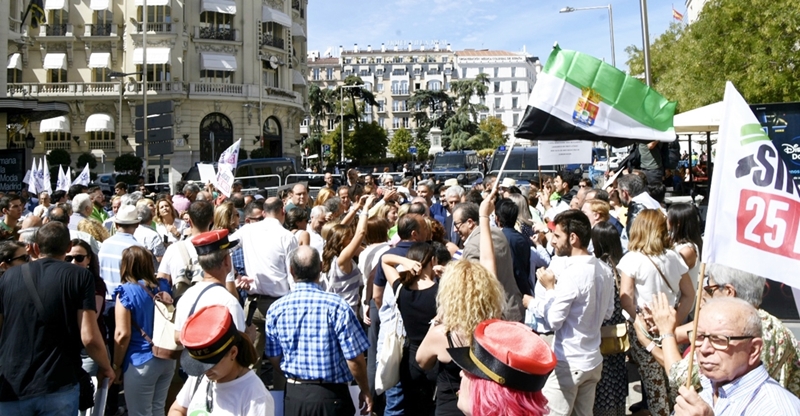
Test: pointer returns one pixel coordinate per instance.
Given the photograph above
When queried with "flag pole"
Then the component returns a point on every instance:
(27, 12)
(503, 166)
(698, 299)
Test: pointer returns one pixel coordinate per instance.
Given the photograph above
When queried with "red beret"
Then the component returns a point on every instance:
(211, 241)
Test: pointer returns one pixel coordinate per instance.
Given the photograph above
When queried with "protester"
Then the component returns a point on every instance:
(146, 376)
(168, 225)
(506, 214)
(147, 236)
(44, 203)
(110, 255)
(11, 208)
(180, 265)
(296, 223)
(683, 227)
(98, 204)
(12, 253)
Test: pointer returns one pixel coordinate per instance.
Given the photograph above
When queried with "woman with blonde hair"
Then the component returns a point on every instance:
(649, 268)
(93, 228)
(226, 217)
(323, 195)
(168, 223)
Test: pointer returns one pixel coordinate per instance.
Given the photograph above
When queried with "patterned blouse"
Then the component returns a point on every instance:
(780, 357)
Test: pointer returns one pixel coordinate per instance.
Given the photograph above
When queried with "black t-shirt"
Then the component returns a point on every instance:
(418, 308)
(40, 355)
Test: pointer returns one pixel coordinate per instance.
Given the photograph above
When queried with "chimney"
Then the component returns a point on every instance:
(355, 48)
(341, 50)
(422, 48)
(409, 46)
(448, 47)
(395, 47)
(436, 46)
(369, 48)
(383, 47)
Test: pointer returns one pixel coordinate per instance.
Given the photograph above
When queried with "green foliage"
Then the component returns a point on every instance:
(752, 43)
(491, 134)
(401, 140)
(242, 153)
(367, 142)
(463, 124)
(59, 157)
(259, 153)
(128, 164)
(84, 159)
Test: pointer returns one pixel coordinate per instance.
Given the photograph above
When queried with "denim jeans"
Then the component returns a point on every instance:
(61, 402)
(146, 387)
(394, 401)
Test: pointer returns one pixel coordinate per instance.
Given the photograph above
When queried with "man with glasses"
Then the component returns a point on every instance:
(779, 355)
(729, 346)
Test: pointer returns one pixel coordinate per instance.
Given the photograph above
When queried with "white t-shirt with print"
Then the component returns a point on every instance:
(648, 280)
(245, 396)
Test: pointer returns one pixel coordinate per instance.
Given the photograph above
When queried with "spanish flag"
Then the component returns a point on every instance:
(36, 10)
(677, 15)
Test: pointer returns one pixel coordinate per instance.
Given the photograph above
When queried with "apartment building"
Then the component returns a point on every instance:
(232, 69)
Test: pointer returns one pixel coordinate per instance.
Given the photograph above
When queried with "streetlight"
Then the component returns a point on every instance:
(119, 75)
(341, 114)
(610, 24)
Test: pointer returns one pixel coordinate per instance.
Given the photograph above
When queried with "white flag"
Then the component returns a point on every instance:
(30, 179)
(225, 168)
(68, 174)
(38, 176)
(63, 182)
(48, 186)
(753, 221)
(83, 178)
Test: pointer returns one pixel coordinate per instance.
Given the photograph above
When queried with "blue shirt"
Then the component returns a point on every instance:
(237, 257)
(315, 332)
(755, 393)
(133, 297)
(110, 256)
(439, 213)
(401, 249)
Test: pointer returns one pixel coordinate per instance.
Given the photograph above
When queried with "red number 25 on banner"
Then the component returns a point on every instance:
(769, 223)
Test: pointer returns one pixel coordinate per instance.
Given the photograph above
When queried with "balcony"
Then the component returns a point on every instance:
(298, 9)
(154, 27)
(103, 144)
(100, 29)
(228, 90)
(216, 33)
(272, 41)
(158, 87)
(60, 31)
(63, 89)
(63, 144)
(14, 25)
(399, 91)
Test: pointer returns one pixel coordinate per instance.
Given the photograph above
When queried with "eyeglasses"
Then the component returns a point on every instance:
(719, 342)
(25, 257)
(78, 257)
(457, 225)
(710, 289)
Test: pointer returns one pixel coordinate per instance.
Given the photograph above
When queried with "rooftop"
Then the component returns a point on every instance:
(484, 52)
(324, 61)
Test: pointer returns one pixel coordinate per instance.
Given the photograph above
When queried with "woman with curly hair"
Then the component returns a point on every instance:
(296, 222)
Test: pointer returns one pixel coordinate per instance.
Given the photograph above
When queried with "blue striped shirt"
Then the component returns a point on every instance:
(315, 333)
(110, 256)
(753, 394)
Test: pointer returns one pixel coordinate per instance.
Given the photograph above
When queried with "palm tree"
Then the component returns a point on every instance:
(320, 104)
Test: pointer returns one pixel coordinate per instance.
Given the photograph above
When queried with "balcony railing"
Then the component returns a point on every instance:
(296, 6)
(216, 33)
(200, 88)
(103, 144)
(63, 29)
(160, 86)
(400, 91)
(157, 27)
(64, 144)
(63, 89)
(271, 40)
(101, 29)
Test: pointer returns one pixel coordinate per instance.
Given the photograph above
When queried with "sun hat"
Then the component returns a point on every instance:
(127, 215)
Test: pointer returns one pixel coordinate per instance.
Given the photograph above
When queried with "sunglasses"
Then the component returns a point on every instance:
(25, 257)
(79, 258)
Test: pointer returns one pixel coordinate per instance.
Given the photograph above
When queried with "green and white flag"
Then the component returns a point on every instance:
(579, 97)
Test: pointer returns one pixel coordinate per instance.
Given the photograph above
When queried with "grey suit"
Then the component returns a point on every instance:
(513, 309)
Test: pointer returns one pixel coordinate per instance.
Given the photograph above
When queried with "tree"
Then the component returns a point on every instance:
(400, 142)
(320, 105)
(59, 157)
(491, 134)
(463, 124)
(752, 43)
(367, 142)
(259, 153)
(129, 166)
(242, 153)
(351, 113)
(84, 159)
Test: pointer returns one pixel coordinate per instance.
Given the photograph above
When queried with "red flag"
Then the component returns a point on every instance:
(677, 15)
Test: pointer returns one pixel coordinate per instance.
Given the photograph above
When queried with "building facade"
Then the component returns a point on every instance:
(231, 68)
(693, 9)
(393, 74)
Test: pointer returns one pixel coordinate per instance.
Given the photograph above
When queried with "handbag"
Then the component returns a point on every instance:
(388, 366)
(614, 339)
(86, 386)
(162, 343)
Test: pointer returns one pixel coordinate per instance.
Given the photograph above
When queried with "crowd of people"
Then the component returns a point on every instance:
(511, 300)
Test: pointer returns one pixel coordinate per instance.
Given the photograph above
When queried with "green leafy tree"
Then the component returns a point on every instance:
(84, 159)
(367, 142)
(432, 109)
(259, 153)
(129, 166)
(320, 105)
(491, 134)
(400, 142)
(752, 43)
(59, 157)
(242, 153)
(463, 124)
(351, 113)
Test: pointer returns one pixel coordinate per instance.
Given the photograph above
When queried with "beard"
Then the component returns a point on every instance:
(563, 251)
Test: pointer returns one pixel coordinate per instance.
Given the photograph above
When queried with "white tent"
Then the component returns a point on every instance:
(699, 120)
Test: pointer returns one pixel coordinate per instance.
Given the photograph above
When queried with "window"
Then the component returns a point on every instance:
(58, 136)
(480, 70)
(514, 102)
(497, 86)
(329, 73)
(414, 59)
(102, 23)
(159, 18)
(102, 139)
(395, 122)
(378, 60)
(367, 86)
(396, 105)
(381, 105)
(434, 85)
(315, 74)
(364, 72)
(330, 124)
(14, 75)
(513, 71)
(57, 75)
(463, 72)
(405, 122)
(513, 86)
(416, 86)
(155, 72)
(363, 60)
(271, 76)
(397, 59)
(448, 71)
(379, 72)
(348, 61)
(382, 122)
(379, 87)
(100, 75)
(497, 102)
(496, 72)
(217, 26)
(483, 117)
(483, 101)
(417, 71)
(516, 120)
(216, 77)
(57, 23)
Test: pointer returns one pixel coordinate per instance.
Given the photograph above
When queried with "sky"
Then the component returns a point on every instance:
(509, 25)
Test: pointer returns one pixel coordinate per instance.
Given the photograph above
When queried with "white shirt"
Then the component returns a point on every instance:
(648, 280)
(368, 261)
(266, 246)
(173, 264)
(217, 295)
(316, 241)
(645, 199)
(151, 240)
(244, 396)
(179, 224)
(575, 310)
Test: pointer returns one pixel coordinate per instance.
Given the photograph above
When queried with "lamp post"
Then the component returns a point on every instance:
(119, 75)
(341, 114)
(610, 24)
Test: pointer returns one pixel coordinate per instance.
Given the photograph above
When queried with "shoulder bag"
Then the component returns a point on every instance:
(614, 338)
(162, 343)
(388, 366)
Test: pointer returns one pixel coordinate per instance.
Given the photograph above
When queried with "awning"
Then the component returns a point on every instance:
(219, 6)
(102, 4)
(100, 122)
(217, 62)
(154, 55)
(706, 118)
(54, 125)
(297, 30)
(298, 78)
(14, 61)
(152, 3)
(56, 5)
(55, 61)
(271, 15)
(100, 60)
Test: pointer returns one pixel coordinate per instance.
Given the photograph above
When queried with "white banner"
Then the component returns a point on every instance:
(564, 152)
(83, 178)
(48, 186)
(38, 176)
(226, 165)
(753, 221)
(63, 182)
